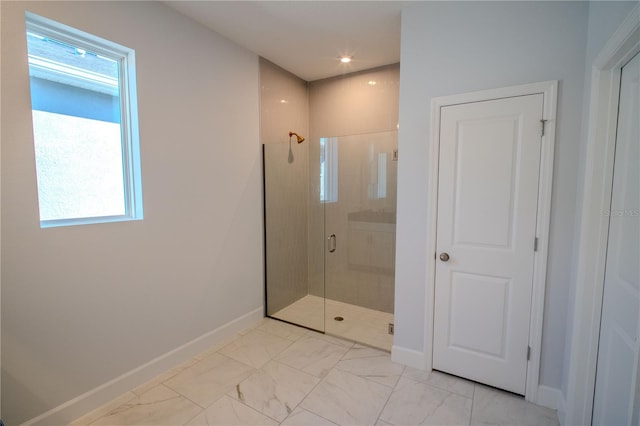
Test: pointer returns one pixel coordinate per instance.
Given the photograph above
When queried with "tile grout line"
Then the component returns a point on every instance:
(320, 379)
(393, 389)
(305, 372)
(305, 397)
(473, 400)
(273, 359)
(163, 383)
(242, 333)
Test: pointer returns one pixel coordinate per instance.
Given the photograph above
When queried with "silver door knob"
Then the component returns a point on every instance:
(444, 257)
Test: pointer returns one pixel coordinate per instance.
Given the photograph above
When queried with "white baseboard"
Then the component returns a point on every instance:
(410, 357)
(549, 397)
(89, 401)
(562, 410)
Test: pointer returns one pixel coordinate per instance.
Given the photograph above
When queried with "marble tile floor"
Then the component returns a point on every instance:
(275, 373)
(362, 325)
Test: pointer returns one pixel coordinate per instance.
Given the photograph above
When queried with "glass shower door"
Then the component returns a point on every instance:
(358, 190)
(294, 234)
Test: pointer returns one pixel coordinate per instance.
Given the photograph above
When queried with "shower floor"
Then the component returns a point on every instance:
(360, 324)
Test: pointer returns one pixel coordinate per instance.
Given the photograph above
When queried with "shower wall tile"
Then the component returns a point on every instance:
(353, 105)
(286, 208)
(284, 104)
(349, 106)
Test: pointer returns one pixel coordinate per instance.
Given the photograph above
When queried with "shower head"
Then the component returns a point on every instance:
(299, 138)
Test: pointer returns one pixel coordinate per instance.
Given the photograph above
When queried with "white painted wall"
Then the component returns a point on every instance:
(84, 304)
(457, 47)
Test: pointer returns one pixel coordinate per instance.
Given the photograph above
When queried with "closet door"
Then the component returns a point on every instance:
(489, 169)
(616, 398)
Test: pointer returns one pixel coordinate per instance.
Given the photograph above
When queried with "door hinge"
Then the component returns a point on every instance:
(542, 125)
(535, 244)
(528, 353)
(390, 329)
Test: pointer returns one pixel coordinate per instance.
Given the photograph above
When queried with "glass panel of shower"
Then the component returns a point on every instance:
(330, 224)
(294, 235)
(361, 212)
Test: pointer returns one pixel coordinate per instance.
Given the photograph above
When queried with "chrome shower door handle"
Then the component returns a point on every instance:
(331, 243)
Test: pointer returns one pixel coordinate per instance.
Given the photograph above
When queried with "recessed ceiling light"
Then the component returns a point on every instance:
(345, 59)
(372, 83)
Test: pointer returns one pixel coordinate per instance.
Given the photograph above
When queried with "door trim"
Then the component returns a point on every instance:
(549, 89)
(594, 229)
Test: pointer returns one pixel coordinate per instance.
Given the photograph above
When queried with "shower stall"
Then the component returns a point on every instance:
(330, 225)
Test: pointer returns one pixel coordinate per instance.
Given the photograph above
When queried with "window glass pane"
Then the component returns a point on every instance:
(75, 95)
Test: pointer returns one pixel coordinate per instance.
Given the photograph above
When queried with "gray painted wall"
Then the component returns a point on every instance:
(82, 305)
(457, 47)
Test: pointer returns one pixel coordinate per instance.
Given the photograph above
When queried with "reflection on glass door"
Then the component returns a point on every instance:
(359, 274)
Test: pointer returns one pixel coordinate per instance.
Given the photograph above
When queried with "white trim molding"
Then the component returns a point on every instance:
(549, 90)
(95, 398)
(603, 108)
(409, 357)
(549, 397)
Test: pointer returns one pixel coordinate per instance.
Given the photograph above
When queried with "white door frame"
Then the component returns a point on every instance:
(594, 230)
(549, 89)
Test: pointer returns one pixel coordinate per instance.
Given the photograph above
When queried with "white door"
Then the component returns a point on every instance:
(617, 392)
(487, 201)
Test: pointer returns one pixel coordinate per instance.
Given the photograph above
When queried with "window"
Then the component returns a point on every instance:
(329, 170)
(83, 100)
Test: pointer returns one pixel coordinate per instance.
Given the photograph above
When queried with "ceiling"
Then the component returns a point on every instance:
(307, 37)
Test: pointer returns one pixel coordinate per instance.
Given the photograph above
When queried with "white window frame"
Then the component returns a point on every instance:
(130, 142)
(329, 170)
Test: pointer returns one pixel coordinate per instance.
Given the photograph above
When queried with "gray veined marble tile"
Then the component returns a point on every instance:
(252, 327)
(158, 406)
(494, 407)
(331, 339)
(441, 380)
(378, 368)
(103, 410)
(161, 378)
(228, 411)
(255, 348)
(216, 347)
(312, 356)
(275, 390)
(302, 417)
(346, 399)
(361, 351)
(209, 379)
(415, 403)
(282, 329)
